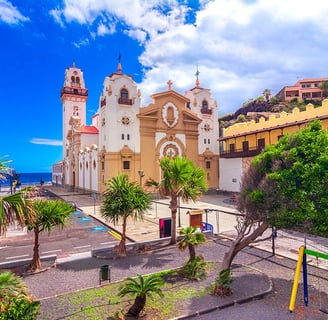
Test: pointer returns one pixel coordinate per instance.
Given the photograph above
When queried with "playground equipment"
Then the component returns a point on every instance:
(302, 262)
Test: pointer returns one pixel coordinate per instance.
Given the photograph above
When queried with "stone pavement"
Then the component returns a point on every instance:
(221, 216)
(81, 270)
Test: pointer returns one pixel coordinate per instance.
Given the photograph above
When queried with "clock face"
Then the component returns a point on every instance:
(125, 120)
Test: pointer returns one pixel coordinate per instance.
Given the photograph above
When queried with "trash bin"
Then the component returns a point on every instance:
(104, 273)
(164, 227)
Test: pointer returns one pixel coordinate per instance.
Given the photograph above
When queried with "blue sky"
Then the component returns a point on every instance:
(240, 47)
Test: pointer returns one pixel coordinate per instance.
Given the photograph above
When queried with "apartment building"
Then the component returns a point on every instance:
(305, 89)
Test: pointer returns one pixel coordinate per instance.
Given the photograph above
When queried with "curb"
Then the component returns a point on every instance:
(257, 296)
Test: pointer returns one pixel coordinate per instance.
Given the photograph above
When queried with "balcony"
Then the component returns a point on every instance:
(206, 111)
(75, 91)
(103, 101)
(125, 101)
(240, 153)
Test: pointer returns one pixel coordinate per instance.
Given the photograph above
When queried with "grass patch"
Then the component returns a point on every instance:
(103, 302)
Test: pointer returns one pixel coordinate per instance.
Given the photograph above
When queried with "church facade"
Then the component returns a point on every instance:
(126, 137)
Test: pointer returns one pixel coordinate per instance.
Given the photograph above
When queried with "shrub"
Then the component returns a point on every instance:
(222, 286)
(195, 269)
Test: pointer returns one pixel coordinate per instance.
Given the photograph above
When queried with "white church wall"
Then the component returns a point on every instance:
(230, 174)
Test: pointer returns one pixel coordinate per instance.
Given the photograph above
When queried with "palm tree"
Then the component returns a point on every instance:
(49, 214)
(180, 179)
(191, 238)
(267, 94)
(11, 286)
(139, 289)
(124, 199)
(13, 207)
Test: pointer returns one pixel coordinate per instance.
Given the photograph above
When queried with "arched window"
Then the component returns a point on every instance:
(73, 79)
(124, 97)
(204, 105)
(124, 94)
(77, 80)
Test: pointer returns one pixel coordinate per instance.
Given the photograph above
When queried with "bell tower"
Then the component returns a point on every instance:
(74, 96)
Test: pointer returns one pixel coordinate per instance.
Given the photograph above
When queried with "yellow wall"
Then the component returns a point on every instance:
(271, 129)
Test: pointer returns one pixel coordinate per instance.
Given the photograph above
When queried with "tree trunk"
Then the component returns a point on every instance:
(36, 262)
(240, 243)
(121, 247)
(174, 208)
(137, 307)
(192, 252)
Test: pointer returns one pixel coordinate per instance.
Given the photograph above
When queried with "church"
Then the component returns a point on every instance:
(126, 137)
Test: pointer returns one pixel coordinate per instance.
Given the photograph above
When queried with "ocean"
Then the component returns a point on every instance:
(30, 179)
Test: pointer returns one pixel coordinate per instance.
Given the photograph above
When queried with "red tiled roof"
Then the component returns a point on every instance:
(89, 129)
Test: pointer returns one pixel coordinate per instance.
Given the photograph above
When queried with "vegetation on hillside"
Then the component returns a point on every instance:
(261, 107)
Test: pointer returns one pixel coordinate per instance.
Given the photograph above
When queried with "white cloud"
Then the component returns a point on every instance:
(241, 47)
(10, 14)
(48, 142)
(82, 43)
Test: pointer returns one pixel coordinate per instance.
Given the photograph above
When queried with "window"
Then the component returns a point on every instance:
(102, 165)
(126, 165)
(94, 164)
(232, 147)
(128, 137)
(280, 136)
(208, 141)
(245, 146)
(208, 164)
(204, 141)
(122, 136)
(124, 94)
(124, 97)
(204, 105)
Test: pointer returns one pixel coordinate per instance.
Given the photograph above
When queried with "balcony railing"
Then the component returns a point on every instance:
(103, 101)
(240, 153)
(125, 101)
(76, 91)
(206, 111)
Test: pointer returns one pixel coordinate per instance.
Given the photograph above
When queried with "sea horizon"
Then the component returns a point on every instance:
(30, 179)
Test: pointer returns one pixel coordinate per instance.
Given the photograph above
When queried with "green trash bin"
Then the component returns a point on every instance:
(104, 273)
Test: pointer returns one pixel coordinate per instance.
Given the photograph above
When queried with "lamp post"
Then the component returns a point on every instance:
(141, 175)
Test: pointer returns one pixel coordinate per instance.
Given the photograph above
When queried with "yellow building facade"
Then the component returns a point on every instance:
(242, 141)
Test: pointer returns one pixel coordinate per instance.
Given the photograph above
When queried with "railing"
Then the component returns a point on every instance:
(77, 91)
(240, 153)
(206, 111)
(125, 101)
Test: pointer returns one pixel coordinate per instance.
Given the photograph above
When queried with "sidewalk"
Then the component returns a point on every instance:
(81, 271)
(286, 244)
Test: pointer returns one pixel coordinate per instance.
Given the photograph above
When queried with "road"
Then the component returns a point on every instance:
(82, 234)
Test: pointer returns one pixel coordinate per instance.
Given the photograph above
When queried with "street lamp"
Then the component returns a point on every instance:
(141, 175)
